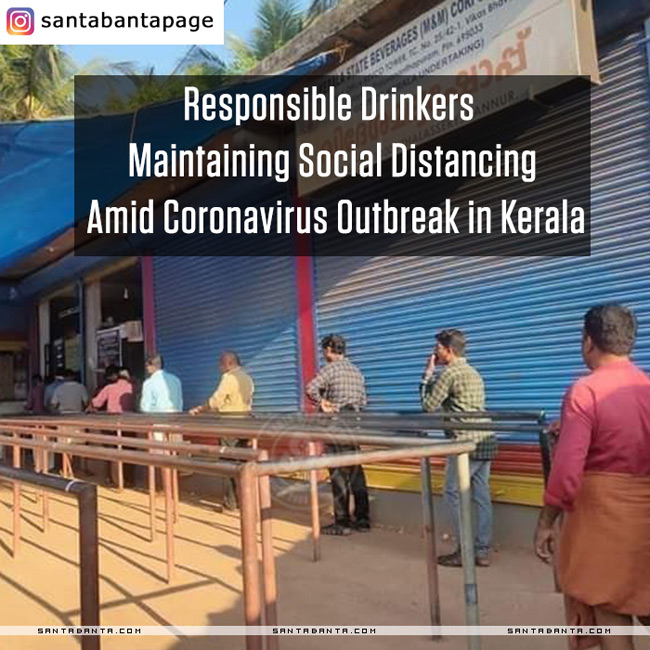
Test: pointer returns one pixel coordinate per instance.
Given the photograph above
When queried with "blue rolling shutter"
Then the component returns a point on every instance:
(522, 315)
(208, 304)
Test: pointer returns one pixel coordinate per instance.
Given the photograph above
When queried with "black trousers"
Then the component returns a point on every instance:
(231, 497)
(347, 482)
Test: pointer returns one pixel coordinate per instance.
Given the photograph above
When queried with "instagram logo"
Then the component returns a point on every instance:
(20, 21)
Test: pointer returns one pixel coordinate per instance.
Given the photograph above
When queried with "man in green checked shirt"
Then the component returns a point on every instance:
(459, 388)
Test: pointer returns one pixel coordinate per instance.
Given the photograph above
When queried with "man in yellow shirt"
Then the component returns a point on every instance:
(234, 395)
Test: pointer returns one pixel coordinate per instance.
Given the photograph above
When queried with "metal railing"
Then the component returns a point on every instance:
(385, 438)
(86, 496)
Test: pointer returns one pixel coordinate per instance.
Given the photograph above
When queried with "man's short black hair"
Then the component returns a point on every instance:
(453, 339)
(36, 378)
(111, 371)
(156, 361)
(334, 341)
(612, 328)
(70, 375)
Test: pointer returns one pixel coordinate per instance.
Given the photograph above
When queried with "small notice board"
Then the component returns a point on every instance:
(109, 347)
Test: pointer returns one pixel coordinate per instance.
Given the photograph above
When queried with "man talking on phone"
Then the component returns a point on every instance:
(458, 388)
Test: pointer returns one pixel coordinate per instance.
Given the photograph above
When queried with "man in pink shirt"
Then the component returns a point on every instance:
(116, 397)
(600, 480)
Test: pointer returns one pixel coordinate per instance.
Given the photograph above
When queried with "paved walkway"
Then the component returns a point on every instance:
(373, 579)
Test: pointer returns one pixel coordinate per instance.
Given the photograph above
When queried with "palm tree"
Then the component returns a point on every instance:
(278, 21)
(36, 81)
(199, 61)
(318, 8)
(131, 86)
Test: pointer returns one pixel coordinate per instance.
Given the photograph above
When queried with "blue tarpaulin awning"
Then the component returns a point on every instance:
(37, 164)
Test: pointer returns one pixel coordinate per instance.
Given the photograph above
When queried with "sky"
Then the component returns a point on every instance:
(239, 20)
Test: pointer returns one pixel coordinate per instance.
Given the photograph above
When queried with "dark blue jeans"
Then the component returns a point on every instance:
(480, 487)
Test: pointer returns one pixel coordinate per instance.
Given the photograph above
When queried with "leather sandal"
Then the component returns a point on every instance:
(337, 530)
(451, 560)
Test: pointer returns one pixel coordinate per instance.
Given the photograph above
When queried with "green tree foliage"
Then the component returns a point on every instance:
(318, 8)
(36, 81)
(133, 87)
(278, 21)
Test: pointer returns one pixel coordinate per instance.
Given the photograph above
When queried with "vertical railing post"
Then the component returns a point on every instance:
(430, 543)
(169, 522)
(16, 532)
(467, 547)
(151, 475)
(44, 468)
(120, 466)
(175, 492)
(268, 559)
(86, 496)
(89, 563)
(250, 561)
(313, 501)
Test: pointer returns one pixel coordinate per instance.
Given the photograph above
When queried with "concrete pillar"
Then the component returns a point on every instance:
(93, 319)
(43, 332)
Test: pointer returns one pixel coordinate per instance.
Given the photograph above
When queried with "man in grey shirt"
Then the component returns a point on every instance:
(69, 398)
(51, 384)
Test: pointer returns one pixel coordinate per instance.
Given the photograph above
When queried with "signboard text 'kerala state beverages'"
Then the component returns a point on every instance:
(470, 46)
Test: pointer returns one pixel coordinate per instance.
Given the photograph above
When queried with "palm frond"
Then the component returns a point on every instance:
(317, 8)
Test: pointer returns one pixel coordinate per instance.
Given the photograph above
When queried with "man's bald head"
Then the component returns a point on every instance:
(229, 360)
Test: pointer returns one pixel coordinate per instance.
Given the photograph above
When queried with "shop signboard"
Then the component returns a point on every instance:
(461, 46)
(109, 347)
(58, 356)
(72, 348)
